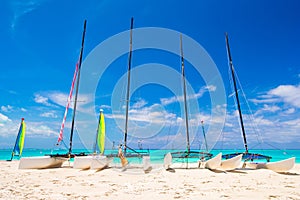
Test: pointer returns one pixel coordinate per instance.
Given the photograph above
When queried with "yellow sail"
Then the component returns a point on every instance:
(19, 144)
(22, 138)
(101, 133)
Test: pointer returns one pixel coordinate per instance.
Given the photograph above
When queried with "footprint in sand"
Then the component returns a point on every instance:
(55, 181)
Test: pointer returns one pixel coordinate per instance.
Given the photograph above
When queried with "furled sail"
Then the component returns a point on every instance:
(101, 132)
(60, 137)
(19, 144)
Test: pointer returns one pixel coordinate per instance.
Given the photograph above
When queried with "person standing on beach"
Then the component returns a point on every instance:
(124, 161)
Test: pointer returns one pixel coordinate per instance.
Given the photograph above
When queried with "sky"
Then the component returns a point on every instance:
(40, 45)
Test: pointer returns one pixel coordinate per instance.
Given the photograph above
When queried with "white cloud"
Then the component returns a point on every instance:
(167, 101)
(199, 94)
(23, 110)
(265, 100)
(105, 107)
(3, 119)
(38, 129)
(7, 126)
(288, 94)
(139, 104)
(50, 114)
(59, 98)
(270, 108)
(267, 108)
(21, 8)
(7, 108)
(41, 99)
(290, 111)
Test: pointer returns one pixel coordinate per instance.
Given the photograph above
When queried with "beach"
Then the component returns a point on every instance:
(113, 183)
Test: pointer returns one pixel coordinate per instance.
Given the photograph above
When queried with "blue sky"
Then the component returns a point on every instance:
(41, 40)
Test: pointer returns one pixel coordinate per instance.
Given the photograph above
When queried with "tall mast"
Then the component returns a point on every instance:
(236, 93)
(77, 86)
(128, 87)
(184, 94)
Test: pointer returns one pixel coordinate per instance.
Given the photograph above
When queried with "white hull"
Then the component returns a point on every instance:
(82, 162)
(146, 163)
(167, 161)
(231, 163)
(100, 162)
(91, 162)
(41, 162)
(281, 166)
(214, 162)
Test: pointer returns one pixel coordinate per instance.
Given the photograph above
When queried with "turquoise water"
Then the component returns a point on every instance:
(156, 155)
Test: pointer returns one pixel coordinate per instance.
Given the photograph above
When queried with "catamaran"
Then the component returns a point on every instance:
(56, 160)
(188, 153)
(247, 156)
(126, 150)
(19, 144)
(279, 166)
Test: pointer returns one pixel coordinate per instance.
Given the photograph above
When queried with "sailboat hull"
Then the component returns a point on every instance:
(41, 162)
(214, 162)
(281, 166)
(82, 162)
(231, 163)
(91, 162)
(100, 162)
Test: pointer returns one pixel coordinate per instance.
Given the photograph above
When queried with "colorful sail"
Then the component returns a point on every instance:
(60, 137)
(101, 132)
(19, 144)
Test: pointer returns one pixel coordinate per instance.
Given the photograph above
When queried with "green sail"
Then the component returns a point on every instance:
(101, 133)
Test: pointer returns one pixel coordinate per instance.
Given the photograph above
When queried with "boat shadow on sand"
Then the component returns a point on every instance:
(226, 171)
(288, 173)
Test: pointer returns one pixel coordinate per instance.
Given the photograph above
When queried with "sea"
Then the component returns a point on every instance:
(156, 155)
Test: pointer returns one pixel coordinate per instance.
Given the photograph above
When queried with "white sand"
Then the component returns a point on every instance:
(68, 183)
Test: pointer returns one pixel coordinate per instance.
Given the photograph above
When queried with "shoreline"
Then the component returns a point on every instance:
(112, 183)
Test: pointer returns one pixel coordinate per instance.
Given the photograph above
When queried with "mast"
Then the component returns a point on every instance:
(77, 86)
(184, 94)
(236, 93)
(204, 135)
(128, 87)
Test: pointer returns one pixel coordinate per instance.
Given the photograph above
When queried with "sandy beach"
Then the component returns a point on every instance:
(112, 183)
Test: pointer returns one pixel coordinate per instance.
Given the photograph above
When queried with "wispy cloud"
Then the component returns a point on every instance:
(54, 99)
(105, 107)
(7, 108)
(38, 129)
(287, 94)
(41, 99)
(290, 111)
(147, 114)
(267, 108)
(139, 104)
(50, 114)
(21, 8)
(200, 93)
(3, 119)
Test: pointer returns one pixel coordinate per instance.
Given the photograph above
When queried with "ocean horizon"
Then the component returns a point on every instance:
(157, 155)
